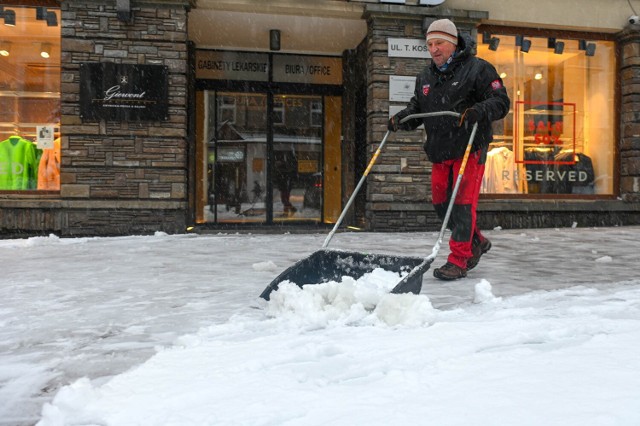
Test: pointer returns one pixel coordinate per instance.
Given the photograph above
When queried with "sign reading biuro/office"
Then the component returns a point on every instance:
(307, 69)
(248, 66)
(124, 92)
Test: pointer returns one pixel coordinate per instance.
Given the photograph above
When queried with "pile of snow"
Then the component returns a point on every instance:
(345, 353)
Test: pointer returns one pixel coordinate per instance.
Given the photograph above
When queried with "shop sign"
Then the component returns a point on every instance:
(401, 88)
(547, 127)
(227, 65)
(307, 69)
(407, 48)
(123, 92)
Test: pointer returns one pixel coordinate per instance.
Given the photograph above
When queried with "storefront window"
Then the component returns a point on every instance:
(30, 98)
(559, 135)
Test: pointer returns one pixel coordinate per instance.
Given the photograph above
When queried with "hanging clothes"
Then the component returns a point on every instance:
(500, 174)
(540, 174)
(18, 164)
(576, 178)
(49, 168)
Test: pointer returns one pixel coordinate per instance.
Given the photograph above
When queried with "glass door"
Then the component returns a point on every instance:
(297, 158)
(232, 158)
(265, 158)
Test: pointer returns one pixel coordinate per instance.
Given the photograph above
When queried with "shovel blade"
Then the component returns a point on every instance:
(332, 265)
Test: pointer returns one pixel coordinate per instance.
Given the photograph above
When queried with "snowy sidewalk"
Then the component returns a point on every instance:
(556, 327)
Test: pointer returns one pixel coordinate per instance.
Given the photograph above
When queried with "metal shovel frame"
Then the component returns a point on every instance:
(331, 265)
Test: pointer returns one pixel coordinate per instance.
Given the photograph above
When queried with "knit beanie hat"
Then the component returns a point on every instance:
(443, 29)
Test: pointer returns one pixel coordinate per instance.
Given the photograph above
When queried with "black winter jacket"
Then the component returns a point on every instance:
(467, 82)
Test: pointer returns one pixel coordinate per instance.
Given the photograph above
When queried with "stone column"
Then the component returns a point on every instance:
(629, 147)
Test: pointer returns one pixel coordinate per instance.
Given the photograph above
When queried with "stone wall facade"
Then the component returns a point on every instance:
(116, 177)
(142, 166)
(398, 191)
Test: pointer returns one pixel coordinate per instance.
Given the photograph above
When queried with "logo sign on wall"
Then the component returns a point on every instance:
(124, 92)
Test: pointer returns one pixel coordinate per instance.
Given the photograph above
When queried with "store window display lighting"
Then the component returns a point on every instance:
(30, 97)
(559, 137)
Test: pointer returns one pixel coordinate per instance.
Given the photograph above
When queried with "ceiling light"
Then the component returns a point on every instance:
(5, 48)
(45, 50)
(493, 44)
(52, 19)
(503, 75)
(274, 39)
(538, 75)
(9, 17)
(41, 13)
(519, 39)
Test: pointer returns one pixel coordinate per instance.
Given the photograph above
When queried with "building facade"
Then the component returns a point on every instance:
(126, 117)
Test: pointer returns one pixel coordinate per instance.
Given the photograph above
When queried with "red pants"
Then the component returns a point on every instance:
(462, 221)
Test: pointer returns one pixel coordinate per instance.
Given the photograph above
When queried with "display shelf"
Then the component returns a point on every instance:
(23, 94)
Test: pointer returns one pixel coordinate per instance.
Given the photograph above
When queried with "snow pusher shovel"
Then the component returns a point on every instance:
(327, 265)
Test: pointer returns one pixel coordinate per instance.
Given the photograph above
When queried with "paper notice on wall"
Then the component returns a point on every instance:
(44, 137)
(401, 88)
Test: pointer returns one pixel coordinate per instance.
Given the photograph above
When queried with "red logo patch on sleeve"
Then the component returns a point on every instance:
(495, 84)
(425, 89)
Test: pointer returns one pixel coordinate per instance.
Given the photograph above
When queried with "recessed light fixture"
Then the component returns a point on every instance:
(5, 48)
(45, 50)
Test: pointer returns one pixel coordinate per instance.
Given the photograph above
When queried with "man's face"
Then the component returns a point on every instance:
(441, 50)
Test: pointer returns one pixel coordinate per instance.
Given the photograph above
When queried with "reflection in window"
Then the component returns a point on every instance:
(227, 109)
(316, 112)
(278, 111)
(558, 137)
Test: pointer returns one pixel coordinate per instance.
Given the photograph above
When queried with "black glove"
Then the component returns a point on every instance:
(393, 124)
(470, 116)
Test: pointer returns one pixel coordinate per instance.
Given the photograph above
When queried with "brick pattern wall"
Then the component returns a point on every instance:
(398, 191)
(630, 114)
(113, 174)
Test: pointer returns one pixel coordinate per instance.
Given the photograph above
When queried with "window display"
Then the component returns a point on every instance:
(30, 97)
(558, 137)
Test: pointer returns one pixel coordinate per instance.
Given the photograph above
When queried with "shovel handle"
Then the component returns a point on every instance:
(463, 166)
(430, 114)
(374, 159)
(355, 191)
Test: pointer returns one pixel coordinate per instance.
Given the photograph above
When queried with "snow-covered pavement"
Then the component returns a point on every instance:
(163, 330)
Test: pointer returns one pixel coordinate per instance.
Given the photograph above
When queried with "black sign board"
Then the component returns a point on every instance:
(123, 92)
